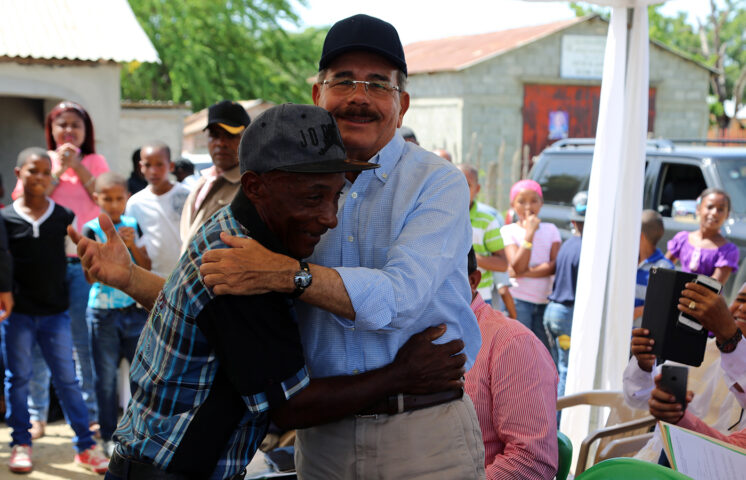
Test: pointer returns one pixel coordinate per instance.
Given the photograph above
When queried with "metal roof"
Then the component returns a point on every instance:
(458, 53)
(83, 30)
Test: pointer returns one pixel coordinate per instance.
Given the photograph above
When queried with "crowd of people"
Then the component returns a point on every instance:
(326, 274)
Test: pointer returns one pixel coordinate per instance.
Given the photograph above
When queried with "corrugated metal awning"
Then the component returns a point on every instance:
(88, 30)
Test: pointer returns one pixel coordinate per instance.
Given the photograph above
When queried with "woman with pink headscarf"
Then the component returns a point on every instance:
(531, 247)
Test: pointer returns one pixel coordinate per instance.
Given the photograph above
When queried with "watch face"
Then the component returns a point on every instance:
(302, 279)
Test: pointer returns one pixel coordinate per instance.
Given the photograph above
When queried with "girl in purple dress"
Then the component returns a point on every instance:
(706, 251)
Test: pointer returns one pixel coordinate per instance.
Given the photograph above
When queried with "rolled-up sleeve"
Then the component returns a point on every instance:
(637, 385)
(734, 370)
(433, 242)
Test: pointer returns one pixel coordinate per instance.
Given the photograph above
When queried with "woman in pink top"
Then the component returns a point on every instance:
(75, 165)
(705, 250)
(531, 247)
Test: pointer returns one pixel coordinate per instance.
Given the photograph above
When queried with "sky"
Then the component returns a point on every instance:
(418, 20)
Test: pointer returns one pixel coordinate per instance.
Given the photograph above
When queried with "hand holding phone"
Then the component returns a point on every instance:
(689, 320)
(673, 380)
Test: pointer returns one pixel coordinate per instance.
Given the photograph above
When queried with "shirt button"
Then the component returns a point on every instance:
(356, 371)
(385, 175)
(350, 238)
(354, 195)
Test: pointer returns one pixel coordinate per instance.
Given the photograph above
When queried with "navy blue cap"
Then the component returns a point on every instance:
(363, 32)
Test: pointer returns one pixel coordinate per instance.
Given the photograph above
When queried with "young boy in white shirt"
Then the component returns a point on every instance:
(157, 208)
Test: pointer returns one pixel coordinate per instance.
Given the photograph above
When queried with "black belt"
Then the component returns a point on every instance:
(403, 402)
(129, 469)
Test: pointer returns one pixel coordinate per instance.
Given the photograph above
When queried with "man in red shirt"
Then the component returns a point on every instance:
(513, 385)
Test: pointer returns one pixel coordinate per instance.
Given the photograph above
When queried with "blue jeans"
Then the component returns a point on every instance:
(38, 402)
(114, 334)
(52, 333)
(531, 315)
(79, 288)
(558, 324)
(38, 386)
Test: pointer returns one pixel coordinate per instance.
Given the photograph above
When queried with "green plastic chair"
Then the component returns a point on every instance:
(565, 456)
(629, 468)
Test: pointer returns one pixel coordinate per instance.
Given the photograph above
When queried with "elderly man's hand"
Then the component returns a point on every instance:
(109, 262)
(710, 310)
(663, 405)
(246, 268)
(641, 346)
(426, 367)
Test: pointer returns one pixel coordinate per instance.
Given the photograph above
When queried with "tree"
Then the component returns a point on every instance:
(717, 42)
(222, 49)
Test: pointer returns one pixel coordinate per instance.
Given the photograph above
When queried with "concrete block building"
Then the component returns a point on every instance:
(55, 50)
(533, 85)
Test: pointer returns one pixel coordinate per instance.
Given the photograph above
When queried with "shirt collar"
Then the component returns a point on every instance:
(233, 175)
(657, 255)
(388, 157)
(246, 214)
(477, 304)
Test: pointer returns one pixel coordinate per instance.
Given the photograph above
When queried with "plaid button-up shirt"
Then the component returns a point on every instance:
(208, 367)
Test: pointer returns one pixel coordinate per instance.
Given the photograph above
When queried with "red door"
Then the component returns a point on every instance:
(573, 109)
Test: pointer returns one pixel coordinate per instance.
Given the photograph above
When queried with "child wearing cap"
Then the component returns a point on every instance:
(531, 247)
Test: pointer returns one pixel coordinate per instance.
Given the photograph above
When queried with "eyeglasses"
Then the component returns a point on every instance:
(374, 89)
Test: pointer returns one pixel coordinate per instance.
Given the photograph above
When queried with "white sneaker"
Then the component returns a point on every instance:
(20, 459)
(93, 459)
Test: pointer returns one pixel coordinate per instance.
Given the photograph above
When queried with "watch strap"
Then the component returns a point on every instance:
(729, 345)
(300, 289)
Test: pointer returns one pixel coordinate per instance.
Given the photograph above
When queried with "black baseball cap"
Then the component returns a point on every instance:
(363, 32)
(230, 116)
(295, 138)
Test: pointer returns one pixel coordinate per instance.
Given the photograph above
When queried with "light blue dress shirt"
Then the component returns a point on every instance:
(400, 247)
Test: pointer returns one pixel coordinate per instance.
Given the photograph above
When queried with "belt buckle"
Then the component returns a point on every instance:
(370, 415)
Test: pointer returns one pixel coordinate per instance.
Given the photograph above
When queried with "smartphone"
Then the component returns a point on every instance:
(686, 319)
(673, 380)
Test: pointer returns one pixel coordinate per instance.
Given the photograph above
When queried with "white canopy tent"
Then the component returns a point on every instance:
(606, 280)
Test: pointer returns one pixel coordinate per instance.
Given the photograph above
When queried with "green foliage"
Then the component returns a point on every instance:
(718, 42)
(222, 49)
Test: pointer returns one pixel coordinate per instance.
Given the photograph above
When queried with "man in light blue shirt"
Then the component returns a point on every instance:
(394, 265)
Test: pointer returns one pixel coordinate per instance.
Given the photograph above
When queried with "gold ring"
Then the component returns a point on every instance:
(692, 305)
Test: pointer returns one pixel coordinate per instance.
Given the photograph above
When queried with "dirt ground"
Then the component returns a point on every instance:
(52, 456)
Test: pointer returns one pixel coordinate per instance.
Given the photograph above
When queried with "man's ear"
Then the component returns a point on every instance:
(315, 93)
(474, 278)
(252, 186)
(404, 106)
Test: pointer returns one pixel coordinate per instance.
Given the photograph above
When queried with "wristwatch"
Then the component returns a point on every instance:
(302, 279)
(729, 345)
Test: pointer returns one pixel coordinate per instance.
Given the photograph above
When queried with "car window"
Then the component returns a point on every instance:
(733, 175)
(562, 177)
(678, 183)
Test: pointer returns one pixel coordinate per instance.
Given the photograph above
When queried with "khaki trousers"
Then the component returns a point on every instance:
(440, 442)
